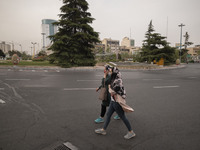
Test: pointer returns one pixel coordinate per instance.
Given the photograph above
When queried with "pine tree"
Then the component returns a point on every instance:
(74, 42)
(156, 47)
(187, 43)
(184, 51)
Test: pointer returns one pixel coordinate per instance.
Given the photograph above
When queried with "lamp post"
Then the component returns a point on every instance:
(181, 25)
(43, 35)
(21, 47)
(33, 55)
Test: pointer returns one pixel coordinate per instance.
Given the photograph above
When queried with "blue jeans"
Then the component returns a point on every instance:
(114, 106)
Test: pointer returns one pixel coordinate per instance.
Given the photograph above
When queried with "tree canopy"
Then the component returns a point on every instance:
(156, 47)
(2, 54)
(74, 42)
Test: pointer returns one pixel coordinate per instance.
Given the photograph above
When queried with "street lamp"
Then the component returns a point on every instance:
(43, 34)
(21, 47)
(181, 25)
(33, 49)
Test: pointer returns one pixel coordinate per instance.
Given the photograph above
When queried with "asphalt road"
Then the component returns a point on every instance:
(41, 109)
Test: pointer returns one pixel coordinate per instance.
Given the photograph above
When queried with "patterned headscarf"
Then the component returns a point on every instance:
(116, 82)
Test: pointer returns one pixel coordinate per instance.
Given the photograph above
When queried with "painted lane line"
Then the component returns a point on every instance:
(152, 79)
(70, 146)
(87, 80)
(37, 86)
(2, 102)
(162, 87)
(192, 77)
(2, 88)
(78, 89)
(17, 79)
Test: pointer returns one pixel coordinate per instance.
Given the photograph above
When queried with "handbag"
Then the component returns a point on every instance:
(103, 93)
(123, 104)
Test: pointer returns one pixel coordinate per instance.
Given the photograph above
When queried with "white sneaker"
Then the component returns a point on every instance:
(129, 135)
(100, 131)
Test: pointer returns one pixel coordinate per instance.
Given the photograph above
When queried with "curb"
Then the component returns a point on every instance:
(96, 68)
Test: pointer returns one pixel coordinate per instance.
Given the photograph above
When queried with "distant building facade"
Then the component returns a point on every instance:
(111, 45)
(48, 29)
(5, 47)
(99, 47)
(193, 51)
(128, 42)
(128, 45)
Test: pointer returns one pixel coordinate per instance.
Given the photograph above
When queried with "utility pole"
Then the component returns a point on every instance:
(43, 35)
(181, 25)
(21, 47)
(33, 49)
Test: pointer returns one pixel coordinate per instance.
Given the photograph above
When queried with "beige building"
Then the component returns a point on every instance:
(5, 47)
(193, 51)
(129, 44)
(99, 47)
(111, 45)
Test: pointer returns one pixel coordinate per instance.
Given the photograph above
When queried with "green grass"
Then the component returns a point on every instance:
(26, 63)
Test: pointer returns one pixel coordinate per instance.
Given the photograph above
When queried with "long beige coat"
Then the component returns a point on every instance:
(122, 102)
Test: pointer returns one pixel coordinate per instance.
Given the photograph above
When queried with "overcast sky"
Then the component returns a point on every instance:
(20, 20)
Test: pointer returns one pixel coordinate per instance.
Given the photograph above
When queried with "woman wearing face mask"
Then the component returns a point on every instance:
(105, 103)
(118, 96)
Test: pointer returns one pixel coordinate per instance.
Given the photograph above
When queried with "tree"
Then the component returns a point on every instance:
(2, 54)
(75, 39)
(25, 56)
(156, 47)
(11, 53)
(184, 51)
(187, 43)
(42, 53)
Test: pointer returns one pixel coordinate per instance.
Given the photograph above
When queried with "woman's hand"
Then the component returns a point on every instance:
(97, 89)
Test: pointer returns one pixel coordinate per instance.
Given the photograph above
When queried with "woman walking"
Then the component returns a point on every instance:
(118, 96)
(105, 103)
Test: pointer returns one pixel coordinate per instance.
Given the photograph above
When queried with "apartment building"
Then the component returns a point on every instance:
(193, 51)
(48, 29)
(128, 42)
(128, 45)
(111, 45)
(5, 47)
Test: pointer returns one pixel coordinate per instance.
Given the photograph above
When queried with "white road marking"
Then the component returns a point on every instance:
(17, 79)
(45, 70)
(2, 102)
(152, 79)
(192, 77)
(33, 70)
(78, 89)
(70, 146)
(36, 86)
(87, 80)
(57, 70)
(1, 88)
(162, 87)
